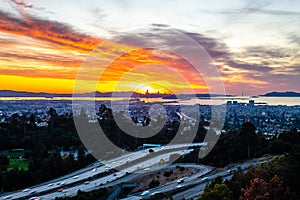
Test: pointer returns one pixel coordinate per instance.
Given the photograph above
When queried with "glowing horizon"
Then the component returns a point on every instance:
(41, 53)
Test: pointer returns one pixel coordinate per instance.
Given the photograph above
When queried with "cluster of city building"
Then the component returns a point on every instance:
(269, 120)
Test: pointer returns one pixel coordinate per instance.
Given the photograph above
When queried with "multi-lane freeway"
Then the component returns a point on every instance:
(100, 174)
(193, 186)
(78, 180)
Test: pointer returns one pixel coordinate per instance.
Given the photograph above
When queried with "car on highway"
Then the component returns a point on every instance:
(25, 190)
(179, 186)
(61, 183)
(86, 182)
(94, 170)
(35, 198)
(32, 192)
(60, 190)
(153, 193)
(146, 192)
(181, 180)
(204, 179)
(50, 184)
(75, 177)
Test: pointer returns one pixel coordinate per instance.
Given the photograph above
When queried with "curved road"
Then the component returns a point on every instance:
(50, 188)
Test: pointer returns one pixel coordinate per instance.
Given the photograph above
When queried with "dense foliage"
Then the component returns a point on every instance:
(42, 146)
(277, 180)
(100, 194)
(246, 143)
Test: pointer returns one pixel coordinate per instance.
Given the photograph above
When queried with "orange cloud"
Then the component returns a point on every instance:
(51, 53)
(48, 31)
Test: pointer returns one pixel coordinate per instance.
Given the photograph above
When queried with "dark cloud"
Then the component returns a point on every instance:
(294, 70)
(160, 25)
(249, 67)
(215, 48)
(170, 39)
(271, 52)
(285, 81)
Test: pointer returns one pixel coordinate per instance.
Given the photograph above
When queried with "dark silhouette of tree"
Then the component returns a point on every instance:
(4, 162)
(32, 119)
(102, 109)
(248, 133)
(81, 156)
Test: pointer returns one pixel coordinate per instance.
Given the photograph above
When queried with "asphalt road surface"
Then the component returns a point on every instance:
(194, 185)
(66, 185)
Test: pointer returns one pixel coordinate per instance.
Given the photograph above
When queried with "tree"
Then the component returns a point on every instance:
(217, 192)
(218, 180)
(81, 156)
(276, 189)
(4, 162)
(262, 189)
(248, 133)
(32, 119)
(151, 150)
(258, 190)
(154, 183)
(289, 170)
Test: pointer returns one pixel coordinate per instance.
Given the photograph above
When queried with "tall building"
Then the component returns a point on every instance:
(251, 103)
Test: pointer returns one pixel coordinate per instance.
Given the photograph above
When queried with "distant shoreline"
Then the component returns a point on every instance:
(24, 94)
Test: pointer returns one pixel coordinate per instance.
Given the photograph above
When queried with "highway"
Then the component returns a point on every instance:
(72, 191)
(78, 180)
(195, 191)
(193, 186)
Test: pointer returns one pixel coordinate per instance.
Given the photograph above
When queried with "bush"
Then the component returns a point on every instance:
(154, 183)
(168, 173)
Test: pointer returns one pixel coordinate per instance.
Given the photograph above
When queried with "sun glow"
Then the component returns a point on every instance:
(153, 88)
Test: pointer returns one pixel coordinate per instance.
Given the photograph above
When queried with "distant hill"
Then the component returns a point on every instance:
(11, 93)
(282, 94)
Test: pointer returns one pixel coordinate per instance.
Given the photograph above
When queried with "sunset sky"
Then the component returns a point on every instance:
(254, 45)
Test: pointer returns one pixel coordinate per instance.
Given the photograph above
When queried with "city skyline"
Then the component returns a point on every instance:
(254, 44)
